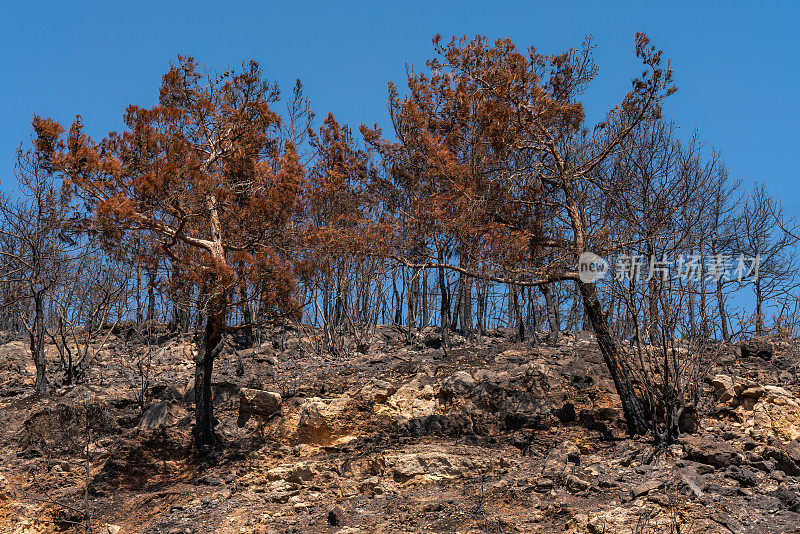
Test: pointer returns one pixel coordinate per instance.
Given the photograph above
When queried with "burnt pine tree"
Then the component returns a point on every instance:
(205, 180)
(493, 152)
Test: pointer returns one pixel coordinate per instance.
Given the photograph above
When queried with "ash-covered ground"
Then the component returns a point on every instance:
(488, 436)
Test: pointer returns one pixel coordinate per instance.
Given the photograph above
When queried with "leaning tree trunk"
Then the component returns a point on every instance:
(204, 368)
(636, 415)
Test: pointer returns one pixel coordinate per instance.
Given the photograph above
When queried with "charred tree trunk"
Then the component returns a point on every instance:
(396, 301)
(636, 416)
(520, 324)
(759, 304)
(480, 311)
(444, 303)
(552, 313)
(247, 317)
(723, 316)
(426, 319)
(652, 306)
(37, 345)
(204, 367)
(413, 300)
(138, 294)
(457, 304)
(466, 307)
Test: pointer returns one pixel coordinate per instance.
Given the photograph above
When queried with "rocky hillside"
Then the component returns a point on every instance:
(491, 436)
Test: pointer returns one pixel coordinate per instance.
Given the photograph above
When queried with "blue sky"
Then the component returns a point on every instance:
(736, 63)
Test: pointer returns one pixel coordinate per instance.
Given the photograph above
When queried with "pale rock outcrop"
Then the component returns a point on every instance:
(412, 400)
(255, 402)
(763, 409)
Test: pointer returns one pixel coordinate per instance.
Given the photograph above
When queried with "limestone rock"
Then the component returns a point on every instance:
(298, 473)
(723, 387)
(257, 402)
(647, 487)
(777, 413)
(459, 384)
(555, 464)
(575, 484)
(322, 421)
(629, 519)
(414, 399)
(377, 392)
(708, 451)
(162, 414)
(428, 466)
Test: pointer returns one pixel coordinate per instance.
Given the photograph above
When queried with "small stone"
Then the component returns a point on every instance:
(753, 392)
(646, 487)
(575, 484)
(745, 476)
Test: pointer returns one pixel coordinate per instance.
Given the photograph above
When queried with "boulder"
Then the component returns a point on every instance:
(555, 464)
(377, 392)
(711, 452)
(790, 499)
(297, 473)
(314, 425)
(412, 400)
(259, 403)
(647, 487)
(428, 466)
(459, 384)
(783, 461)
(723, 387)
(162, 414)
(776, 413)
(745, 476)
(432, 339)
(575, 484)
(322, 422)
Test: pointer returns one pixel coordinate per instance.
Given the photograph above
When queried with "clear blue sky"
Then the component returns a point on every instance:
(736, 63)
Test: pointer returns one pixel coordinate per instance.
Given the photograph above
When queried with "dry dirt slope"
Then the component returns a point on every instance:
(491, 436)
